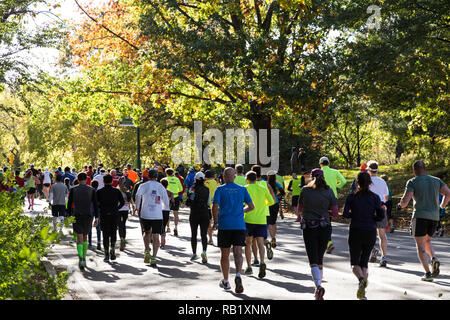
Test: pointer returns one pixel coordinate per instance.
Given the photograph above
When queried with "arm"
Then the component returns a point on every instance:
(215, 212)
(250, 206)
(95, 204)
(271, 192)
(445, 191)
(70, 202)
(341, 181)
(379, 211)
(290, 186)
(347, 213)
(407, 196)
(121, 200)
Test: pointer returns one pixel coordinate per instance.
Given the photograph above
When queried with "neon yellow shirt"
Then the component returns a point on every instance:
(174, 185)
(261, 198)
(280, 180)
(296, 189)
(240, 180)
(333, 178)
(264, 184)
(212, 185)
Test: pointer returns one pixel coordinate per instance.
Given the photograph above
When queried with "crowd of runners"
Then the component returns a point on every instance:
(242, 208)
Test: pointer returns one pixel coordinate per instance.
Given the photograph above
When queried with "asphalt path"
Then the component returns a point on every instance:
(288, 274)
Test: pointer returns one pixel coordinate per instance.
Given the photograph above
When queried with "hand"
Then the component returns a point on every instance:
(214, 226)
(95, 222)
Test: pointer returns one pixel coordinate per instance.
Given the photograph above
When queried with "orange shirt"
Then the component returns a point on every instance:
(133, 176)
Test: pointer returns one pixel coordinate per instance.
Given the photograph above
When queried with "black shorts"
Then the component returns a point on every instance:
(272, 219)
(176, 205)
(31, 191)
(420, 227)
(155, 226)
(58, 210)
(295, 201)
(82, 224)
(166, 214)
(361, 243)
(228, 238)
(47, 185)
(389, 209)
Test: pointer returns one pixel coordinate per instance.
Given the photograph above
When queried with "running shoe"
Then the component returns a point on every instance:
(175, 232)
(210, 242)
(373, 256)
(361, 293)
(330, 247)
(255, 263)
(204, 258)
(99, 246)
(147, 257)
(274, 243)
(168, 230)
(153, 262)
(163, 242)
(106, 259)
(298, 219)
(427, 277)
(319, 293)
(81, 265)
(239, 287)
(435, 267)
(225, 284)
(113, 255)
(269, 250)
(122, 245)
(262, 270)
(248, 271)
(383, 262)
(194, 257)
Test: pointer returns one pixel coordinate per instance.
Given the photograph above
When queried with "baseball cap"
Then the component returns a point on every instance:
(323, 159)
(271, 173)
(316, 172)
(363, 167)
(191, 169)
(373, 166)
(152, 174)
(199, 175)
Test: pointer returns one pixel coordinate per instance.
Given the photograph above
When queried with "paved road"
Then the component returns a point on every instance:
(288, 273)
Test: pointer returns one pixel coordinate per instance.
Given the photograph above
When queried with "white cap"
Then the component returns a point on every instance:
(199, 175)
(271, 173)
(323, 159)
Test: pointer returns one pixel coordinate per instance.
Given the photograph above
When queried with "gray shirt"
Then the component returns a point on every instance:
(316, 202)
(58, 194)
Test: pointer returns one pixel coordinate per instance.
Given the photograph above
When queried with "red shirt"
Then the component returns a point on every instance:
(182, 183)
(20, 181)
(115, 181)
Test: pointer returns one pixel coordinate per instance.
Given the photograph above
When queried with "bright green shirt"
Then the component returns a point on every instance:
(261, 198)
(263, 183)
(212, 185)
(296, 189)
(240, 180)
(174, 185)
(333, 178)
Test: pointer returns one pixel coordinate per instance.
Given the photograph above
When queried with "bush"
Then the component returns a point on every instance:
(23, 242)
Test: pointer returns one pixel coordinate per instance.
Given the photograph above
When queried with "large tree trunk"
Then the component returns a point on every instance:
(262, 122)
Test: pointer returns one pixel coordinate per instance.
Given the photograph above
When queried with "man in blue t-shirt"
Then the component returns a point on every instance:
(228, 214)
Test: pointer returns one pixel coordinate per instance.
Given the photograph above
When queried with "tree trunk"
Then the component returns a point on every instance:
(262, 122)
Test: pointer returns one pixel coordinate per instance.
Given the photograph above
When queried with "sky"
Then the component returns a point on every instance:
(68, 12)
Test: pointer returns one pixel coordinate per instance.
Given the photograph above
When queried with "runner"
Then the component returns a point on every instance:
(425, 189)
(265, 184)
(99, 177)
(256, 222)
(67, 174)
(57, 199)
(47, 181)
(274, 209)
(389, 206)
(315, 204)
(295, 189)
(110, 201)
(148, 202)
(379, 187)
(132, 175)
(212, 185)
(116, 178)
(200, 215)
(97, 228)
(334, 180)
(39, 184)
(166, 211)
(228, 215)
(30, 187)
(189, 181)
(123, 212)
(82, 197)
(363, 207)
(240, 178)
(175, 187)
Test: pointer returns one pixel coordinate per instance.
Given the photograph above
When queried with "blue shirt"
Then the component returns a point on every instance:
(70, 176)
(230, 198)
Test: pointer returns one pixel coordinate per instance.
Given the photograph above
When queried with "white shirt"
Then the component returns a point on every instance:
(149, 200)
(99, 178)
(379, 187)
(47, 177)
